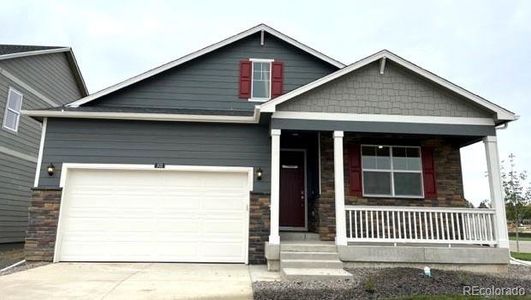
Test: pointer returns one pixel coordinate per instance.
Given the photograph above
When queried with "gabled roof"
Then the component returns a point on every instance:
(502, 114)
(17, 51)
(208, 49)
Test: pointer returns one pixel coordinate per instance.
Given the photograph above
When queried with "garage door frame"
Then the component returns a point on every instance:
(142, 167)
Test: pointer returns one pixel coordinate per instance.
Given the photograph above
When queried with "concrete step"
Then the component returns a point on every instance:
(299, 236)
(308, 247)
(311, 263)
(313, 274)
(308, 255)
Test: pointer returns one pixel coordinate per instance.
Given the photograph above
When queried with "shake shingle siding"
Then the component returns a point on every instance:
(211, 81)
(144, 142)
(396, 92)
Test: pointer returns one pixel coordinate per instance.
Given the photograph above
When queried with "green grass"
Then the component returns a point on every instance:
(520, 238)
(521, 255)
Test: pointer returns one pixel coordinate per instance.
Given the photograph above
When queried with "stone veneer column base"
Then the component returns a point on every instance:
(42, 225)
(259, 210)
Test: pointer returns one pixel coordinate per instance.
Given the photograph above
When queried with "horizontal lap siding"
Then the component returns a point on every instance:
(15, 195)
(143, 142)
(49, 74)
(211, 81)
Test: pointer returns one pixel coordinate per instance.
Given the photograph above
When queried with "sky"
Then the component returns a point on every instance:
(483, 46)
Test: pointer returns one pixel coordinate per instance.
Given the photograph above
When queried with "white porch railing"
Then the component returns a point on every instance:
(445, 225)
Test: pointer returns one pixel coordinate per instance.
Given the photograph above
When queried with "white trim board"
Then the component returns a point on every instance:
(35, 52)
(41, 151)
(381, 118)
(208, 49)
(143, 167)
(27, 87)
(18, 154)
(255, 118)
(502, 113)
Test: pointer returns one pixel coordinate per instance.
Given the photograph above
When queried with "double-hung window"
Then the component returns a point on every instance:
(261, 79)
(12, 112)
(392, 171)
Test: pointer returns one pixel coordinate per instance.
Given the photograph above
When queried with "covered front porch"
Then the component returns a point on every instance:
(388, 197)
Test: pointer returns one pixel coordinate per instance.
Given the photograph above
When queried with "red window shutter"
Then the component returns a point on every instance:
(428, 172)
(277, 79)
(245, 79)
(355, 170)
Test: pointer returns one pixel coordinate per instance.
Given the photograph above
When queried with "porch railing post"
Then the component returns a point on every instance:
(274, 237)
(496, 191)
(339, 187)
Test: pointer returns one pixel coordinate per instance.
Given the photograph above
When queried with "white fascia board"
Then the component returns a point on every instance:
(201, 52)
(501, 113)
(78, 71)
(31, 53)
(255, 118)
(381, 118)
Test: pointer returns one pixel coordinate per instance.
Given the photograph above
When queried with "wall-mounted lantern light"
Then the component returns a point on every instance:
(259, 174)
(50, 169)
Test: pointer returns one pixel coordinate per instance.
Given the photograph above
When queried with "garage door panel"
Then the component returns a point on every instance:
(117, 215)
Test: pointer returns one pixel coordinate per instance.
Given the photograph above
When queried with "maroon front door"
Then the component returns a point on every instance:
(292, 191)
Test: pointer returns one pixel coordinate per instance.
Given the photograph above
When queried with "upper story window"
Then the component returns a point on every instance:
(261, 79)
(12, 112)
(392, 171)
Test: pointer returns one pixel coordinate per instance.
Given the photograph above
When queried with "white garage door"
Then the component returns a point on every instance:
(152, 215)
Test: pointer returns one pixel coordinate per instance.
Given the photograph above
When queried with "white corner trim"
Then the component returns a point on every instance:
(381, 118)
(490, 139)
(31, 53)
(27, 87)
(255, 118)
(339, 134)
(502, 113)
(18, 154)
(41, 150)
(208, 49)
(275, 132)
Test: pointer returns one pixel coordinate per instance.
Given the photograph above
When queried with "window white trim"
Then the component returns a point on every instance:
(8, 109)
(392, 171)
(261, 60)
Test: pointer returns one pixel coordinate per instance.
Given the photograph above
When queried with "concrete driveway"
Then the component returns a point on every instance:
(133, 281)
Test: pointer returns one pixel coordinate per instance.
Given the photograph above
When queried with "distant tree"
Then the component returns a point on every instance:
(468, 204)
(484, 204)
(517, 193)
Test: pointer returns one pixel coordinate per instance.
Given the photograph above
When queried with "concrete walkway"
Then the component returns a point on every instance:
(525, 246)
(133, 281)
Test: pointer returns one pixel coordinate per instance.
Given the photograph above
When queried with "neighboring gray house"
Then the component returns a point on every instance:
(31, 77)
(259, 148)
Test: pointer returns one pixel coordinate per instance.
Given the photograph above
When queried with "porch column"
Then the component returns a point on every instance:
(274, 237)
(339, 188)
(496, 190)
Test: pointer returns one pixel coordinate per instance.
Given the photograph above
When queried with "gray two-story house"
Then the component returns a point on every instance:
(261, 149)
(31, 77)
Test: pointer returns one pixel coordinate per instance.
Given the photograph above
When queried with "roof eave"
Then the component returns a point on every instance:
(201, 52)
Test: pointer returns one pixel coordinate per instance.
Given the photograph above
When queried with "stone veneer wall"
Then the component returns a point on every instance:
(259, 221)
(42, 226)
(447, 171)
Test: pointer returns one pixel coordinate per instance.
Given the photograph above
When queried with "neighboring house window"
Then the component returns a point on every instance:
(394, 171)
(12, 112)
(261, 79)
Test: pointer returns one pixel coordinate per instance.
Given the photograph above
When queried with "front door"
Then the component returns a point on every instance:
(292, 190)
